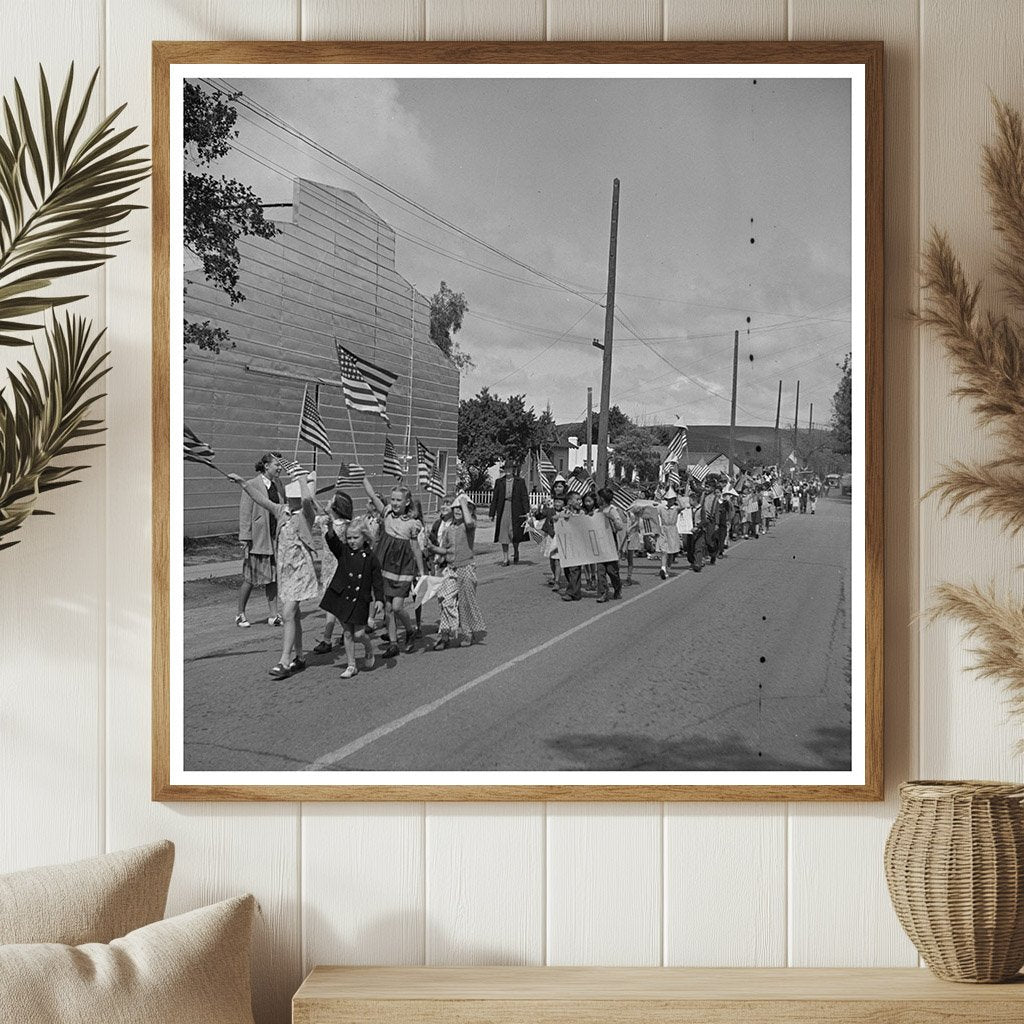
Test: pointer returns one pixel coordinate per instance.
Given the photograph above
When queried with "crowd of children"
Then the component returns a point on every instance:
(698, 521)
(384, 564)
(368, 566)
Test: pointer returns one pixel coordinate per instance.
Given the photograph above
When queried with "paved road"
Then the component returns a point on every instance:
(745, 666)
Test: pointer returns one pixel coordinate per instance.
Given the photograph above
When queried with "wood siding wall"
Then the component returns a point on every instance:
(328, 274)
(519, 883)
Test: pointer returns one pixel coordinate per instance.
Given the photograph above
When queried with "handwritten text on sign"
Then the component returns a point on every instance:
(583, 540)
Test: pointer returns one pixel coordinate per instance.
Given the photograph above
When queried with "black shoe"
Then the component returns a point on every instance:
(617, 596)
(297, 665)
(390, 651)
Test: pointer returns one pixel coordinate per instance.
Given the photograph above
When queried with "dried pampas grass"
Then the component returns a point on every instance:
(987, 354)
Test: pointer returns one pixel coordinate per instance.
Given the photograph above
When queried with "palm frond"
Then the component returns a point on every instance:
(46, 418)
(62, 191)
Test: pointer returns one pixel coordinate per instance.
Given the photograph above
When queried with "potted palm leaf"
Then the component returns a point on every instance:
(63, 190)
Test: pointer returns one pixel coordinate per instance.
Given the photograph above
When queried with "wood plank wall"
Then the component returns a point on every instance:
(734, 884)
(328, 274)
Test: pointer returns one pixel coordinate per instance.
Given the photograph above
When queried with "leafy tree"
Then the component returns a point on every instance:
(635, 448)
(447, 308)
(493, 430)
(217, 211)
(545, 433)
(618, 422)
(842, 411)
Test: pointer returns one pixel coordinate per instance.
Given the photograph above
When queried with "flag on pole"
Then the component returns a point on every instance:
(392, 463)
(311, 424)
(365, 386)
(545, 484)
(544, 463)
(622, 497)
(673, 474)
(293, 469)
(792, 458)
(677, 446)
(426, 462)
(700, 471)
(580, 482)
(349, 474)
(434, 485)
(776, 490)
(196, 450)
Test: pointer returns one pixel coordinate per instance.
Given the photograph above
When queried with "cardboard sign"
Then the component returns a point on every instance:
(583, 540)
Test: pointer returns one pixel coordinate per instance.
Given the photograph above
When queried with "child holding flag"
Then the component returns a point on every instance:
(296, 569)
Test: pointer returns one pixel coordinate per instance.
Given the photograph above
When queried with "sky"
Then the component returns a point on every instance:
(734, 214)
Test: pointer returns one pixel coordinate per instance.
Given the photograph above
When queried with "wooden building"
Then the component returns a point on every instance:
(329, 274)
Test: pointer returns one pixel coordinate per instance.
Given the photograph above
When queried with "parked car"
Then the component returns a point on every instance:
(846, 485)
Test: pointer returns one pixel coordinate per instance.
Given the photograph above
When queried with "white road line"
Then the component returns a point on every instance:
(425, 709)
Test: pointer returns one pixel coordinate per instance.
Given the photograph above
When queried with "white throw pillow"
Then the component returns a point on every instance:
(92, 900)
(190, 969)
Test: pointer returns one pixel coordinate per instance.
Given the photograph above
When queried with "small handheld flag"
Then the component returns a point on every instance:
(348, 475)
(365, 386)
(197, 451)
(426, 461)
(392, 463)
(580, 482)
(434, 485)
(311, 424)
(677, 446)
(700, 471)
(544, 463)
(622, 497)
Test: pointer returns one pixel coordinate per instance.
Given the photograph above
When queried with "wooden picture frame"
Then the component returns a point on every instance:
(866, 60)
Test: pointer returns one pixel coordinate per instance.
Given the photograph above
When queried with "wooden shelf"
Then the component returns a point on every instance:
(631, 995)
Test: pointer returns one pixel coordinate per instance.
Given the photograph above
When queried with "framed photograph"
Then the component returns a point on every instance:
(531, 403)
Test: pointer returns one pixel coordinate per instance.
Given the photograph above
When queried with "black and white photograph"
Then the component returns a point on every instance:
(524, 425)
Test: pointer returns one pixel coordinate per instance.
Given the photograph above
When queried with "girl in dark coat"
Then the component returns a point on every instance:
(356, 582)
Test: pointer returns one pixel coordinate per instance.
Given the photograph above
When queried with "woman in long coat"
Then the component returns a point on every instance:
(510, 505)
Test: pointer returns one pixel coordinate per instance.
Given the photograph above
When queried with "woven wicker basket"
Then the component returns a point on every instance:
(954, 861)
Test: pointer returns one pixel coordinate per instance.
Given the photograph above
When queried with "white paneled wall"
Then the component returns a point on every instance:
(510, 883)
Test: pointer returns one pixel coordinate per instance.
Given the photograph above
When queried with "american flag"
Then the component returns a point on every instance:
(348, 475)
(196, 450)
(311, 424)
(700, 471)
(545, 485)
(434, 485)
(673, 474)
(677, 446)
(776, 490)
(426, 462)
(365, 386)
(580, 482)
(392, 463)
(544, 463)
(293, 469)
(622, 497)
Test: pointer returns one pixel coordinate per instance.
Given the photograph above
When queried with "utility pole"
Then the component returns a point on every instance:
(778, 440)
(810, 422)
(590, 429)
(609, 323)
(796, 415)
(732, 416)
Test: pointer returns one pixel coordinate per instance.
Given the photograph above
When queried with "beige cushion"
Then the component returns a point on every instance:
(191, 969)
(93, 900)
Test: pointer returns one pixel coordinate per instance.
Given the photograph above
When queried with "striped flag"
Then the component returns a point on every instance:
(293, 469)
(776, 490)
(196, 450)
(545, 484)
(673, 474)
(622, 497)
(580, 482)
(348, 475)
(426, 462)
(311, 424)
(700, 471)
(434, 485)
(392, 463)
(365, 386)
(544, 463)
(677, 446)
